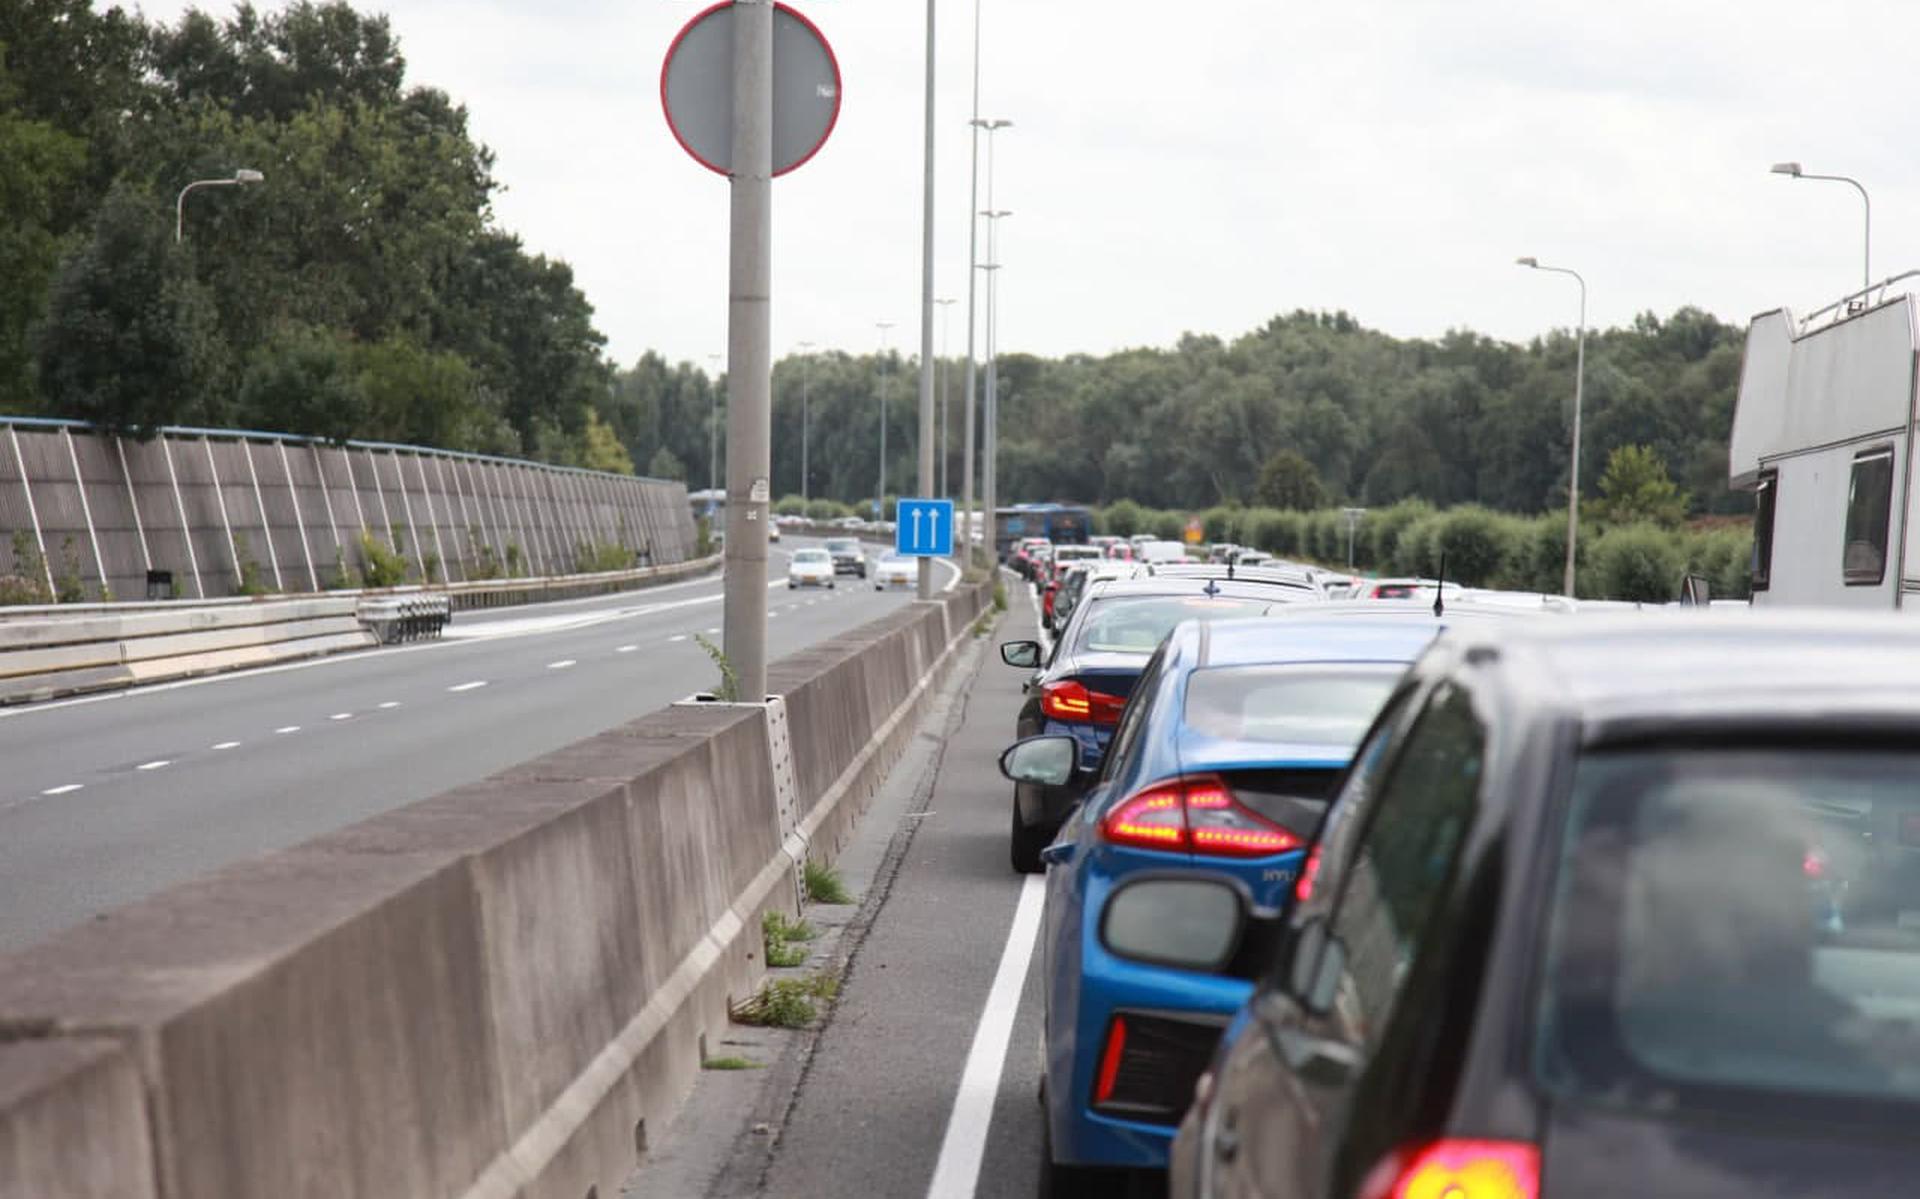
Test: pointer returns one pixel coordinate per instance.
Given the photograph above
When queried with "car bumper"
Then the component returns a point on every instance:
(849, 568)
(809, 580)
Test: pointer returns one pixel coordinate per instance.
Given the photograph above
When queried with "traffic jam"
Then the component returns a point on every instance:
(1399, 889)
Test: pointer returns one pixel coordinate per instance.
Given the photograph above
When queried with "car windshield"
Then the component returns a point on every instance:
(843, 545)
(1310, 705)
(1137, 624)
(1739, 929)
(813, 556)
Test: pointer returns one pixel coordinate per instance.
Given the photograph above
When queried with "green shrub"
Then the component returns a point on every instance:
(27, 583)
(790, 505)
(1724, 556)
(516, 560)
(430, 567)
(728, 689)
(1379, 535)
(1168, 526)
(1219, 523)
(824, 510)
(787, 1002)
(823, 884)
(599, 557)
(1414, 551)
(1123, 519)
(249, 582)
(1476, 544)
(702, 537)
(379, 565)
(1639, 562)
(68, 589)
(343, 577)
(1325, 534)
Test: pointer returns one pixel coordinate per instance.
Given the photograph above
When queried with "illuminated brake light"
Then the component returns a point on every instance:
(1197, 815)
(1458, 1168)
(1070, 700)
(1309, 875)
(1110, 1060)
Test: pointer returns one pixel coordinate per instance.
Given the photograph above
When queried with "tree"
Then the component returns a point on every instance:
(1288, 480)
(1636, 488)
(38, 165)
(603, 450)
(128, 340)
(663, 465)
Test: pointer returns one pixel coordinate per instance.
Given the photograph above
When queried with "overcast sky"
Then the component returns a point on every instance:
(1203, 167)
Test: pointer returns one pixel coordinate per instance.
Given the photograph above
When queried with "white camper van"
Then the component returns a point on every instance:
(1823, 433)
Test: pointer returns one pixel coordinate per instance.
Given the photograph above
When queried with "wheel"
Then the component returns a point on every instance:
(878, 587)
(831, 585)
(791, 584)
(1026, 845)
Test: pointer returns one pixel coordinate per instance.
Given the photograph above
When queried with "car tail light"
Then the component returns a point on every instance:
(1195, 815)
(1458, 1168)
(1070, 700)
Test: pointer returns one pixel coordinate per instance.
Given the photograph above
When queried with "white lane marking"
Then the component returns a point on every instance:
(957, 1172)
(63, 789)
(226, 745)
(712, 632)
(285, 729)
(626, 649)
(562, 664)
(678, 637)
(772, 614)
(390, 705)
(156, 764)
(475, 685)
(341, 716)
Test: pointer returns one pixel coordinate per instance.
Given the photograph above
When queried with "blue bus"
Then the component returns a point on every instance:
(1062, 524)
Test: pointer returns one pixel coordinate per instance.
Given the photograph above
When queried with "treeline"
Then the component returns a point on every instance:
(362, 289)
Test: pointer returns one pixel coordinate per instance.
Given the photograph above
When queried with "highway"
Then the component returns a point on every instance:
(107, 799)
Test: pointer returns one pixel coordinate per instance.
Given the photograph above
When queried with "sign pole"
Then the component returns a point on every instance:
(926, 313)
(749, 347)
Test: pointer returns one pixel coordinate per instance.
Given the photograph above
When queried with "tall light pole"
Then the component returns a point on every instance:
(925, 581)
(1866, 258)
(880, 504)
(964, 534)
(990, 444)
(806, 361)
(241, 178)
(946, 311)
(1579, 383)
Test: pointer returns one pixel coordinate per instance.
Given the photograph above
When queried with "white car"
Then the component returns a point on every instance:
(895, 571)
(810, 568)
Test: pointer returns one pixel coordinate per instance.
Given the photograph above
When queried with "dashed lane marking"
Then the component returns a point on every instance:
(284, 729)
(156, 764)
(626, 649)
(563, 664)
(63, 789)
(473, 686)
(226, 745)
(341, 716)
(390, 705)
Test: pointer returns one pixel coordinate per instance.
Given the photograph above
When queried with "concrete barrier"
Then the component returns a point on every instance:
(494, 992)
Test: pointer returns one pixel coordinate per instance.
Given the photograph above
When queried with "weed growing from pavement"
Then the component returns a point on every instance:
(729, 689)
(777, 927)
(999, 596)
(788, 1002)
(824, 885)
(731, 1063)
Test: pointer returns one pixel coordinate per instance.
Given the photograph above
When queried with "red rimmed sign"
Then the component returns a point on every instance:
(696, 88)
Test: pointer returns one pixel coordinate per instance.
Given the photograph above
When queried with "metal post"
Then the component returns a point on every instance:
(326, 497)
(433, 518)
(926, 308)
(749, 348)
(964, 538)
(86, 510)
(1579, 386)
(880, 500)
(946, 455)
(33, 513)
(990, 448)
(299, 519)
(406, 505)
(266, 525)
(219, 494)
(180, 506)
(133, 502)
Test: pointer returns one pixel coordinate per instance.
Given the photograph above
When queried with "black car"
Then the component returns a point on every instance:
(848, 557)
(1082, 689)
(1582, 921)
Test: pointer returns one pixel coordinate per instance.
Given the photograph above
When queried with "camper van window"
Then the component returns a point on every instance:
(1869, 497)
(1766, 497)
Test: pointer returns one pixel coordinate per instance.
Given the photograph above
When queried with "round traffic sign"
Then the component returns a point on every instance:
(696, 88)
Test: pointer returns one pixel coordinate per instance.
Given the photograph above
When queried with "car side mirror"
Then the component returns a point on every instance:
(1048, 761)
(1188, 923)
(1023, 654)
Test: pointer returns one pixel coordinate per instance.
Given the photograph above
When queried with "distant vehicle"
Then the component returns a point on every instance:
(895, 570)
(848, 556)
(1230, 747)
(1120, 551)
(1162, 551)
(1082, 688)
(1823, 434)
(773, 531)
(1074, 583)
(810, 568)
(1409, 588)
(1062, 524)
(1582, 905)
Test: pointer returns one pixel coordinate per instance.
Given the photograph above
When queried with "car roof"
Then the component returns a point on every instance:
(1176, 585)
(1658, 672)
(1260, 641)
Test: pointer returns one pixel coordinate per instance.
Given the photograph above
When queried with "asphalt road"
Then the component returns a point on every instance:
(883, 1100)
(107, 799)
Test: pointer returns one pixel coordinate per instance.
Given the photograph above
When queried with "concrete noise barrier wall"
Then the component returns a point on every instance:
(491, 993)
(222, 509)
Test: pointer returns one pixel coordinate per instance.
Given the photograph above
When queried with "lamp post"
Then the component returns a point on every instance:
(880, 502)
(973, 277)
(806, 361)
(241, 178)
(1353, 516)
(1579, 383)
(945, 312)
(1793, 170)
(990, 453)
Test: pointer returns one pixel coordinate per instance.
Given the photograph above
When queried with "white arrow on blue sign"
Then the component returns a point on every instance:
(923, 528)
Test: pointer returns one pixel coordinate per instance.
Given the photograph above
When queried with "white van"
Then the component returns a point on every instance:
(1823, 435)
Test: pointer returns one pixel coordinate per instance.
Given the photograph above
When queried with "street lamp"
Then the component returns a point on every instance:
(241, 177)
(1866, 265)
(945, 305)
(1579, 382)
(1353, 516)
(880, 504)
(990, 431)
(806, 360)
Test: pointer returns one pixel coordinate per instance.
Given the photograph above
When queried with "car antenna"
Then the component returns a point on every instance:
(1212, 589)
(1440, 591)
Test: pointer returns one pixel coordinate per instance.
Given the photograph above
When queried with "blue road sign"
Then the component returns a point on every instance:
(923, 528)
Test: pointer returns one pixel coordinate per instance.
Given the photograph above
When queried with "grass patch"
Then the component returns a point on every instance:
(788, 1002)
(731, 1063)
(785, 939)
(999, 596)
(824, 885)
(783, 955)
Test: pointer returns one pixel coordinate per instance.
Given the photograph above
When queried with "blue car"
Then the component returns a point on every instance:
(1234, 739)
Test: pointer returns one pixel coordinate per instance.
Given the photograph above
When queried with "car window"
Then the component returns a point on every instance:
(1137, 624)
(1869, 499)
(1404, 856)
(1306, 705)
(1738, 929)
(1133, 717)
(810, 555)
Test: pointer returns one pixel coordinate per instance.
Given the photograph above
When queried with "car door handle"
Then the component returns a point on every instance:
(1318, 1060)
(1226, 1138)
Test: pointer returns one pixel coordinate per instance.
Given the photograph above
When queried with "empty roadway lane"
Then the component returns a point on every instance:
(105, 800)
